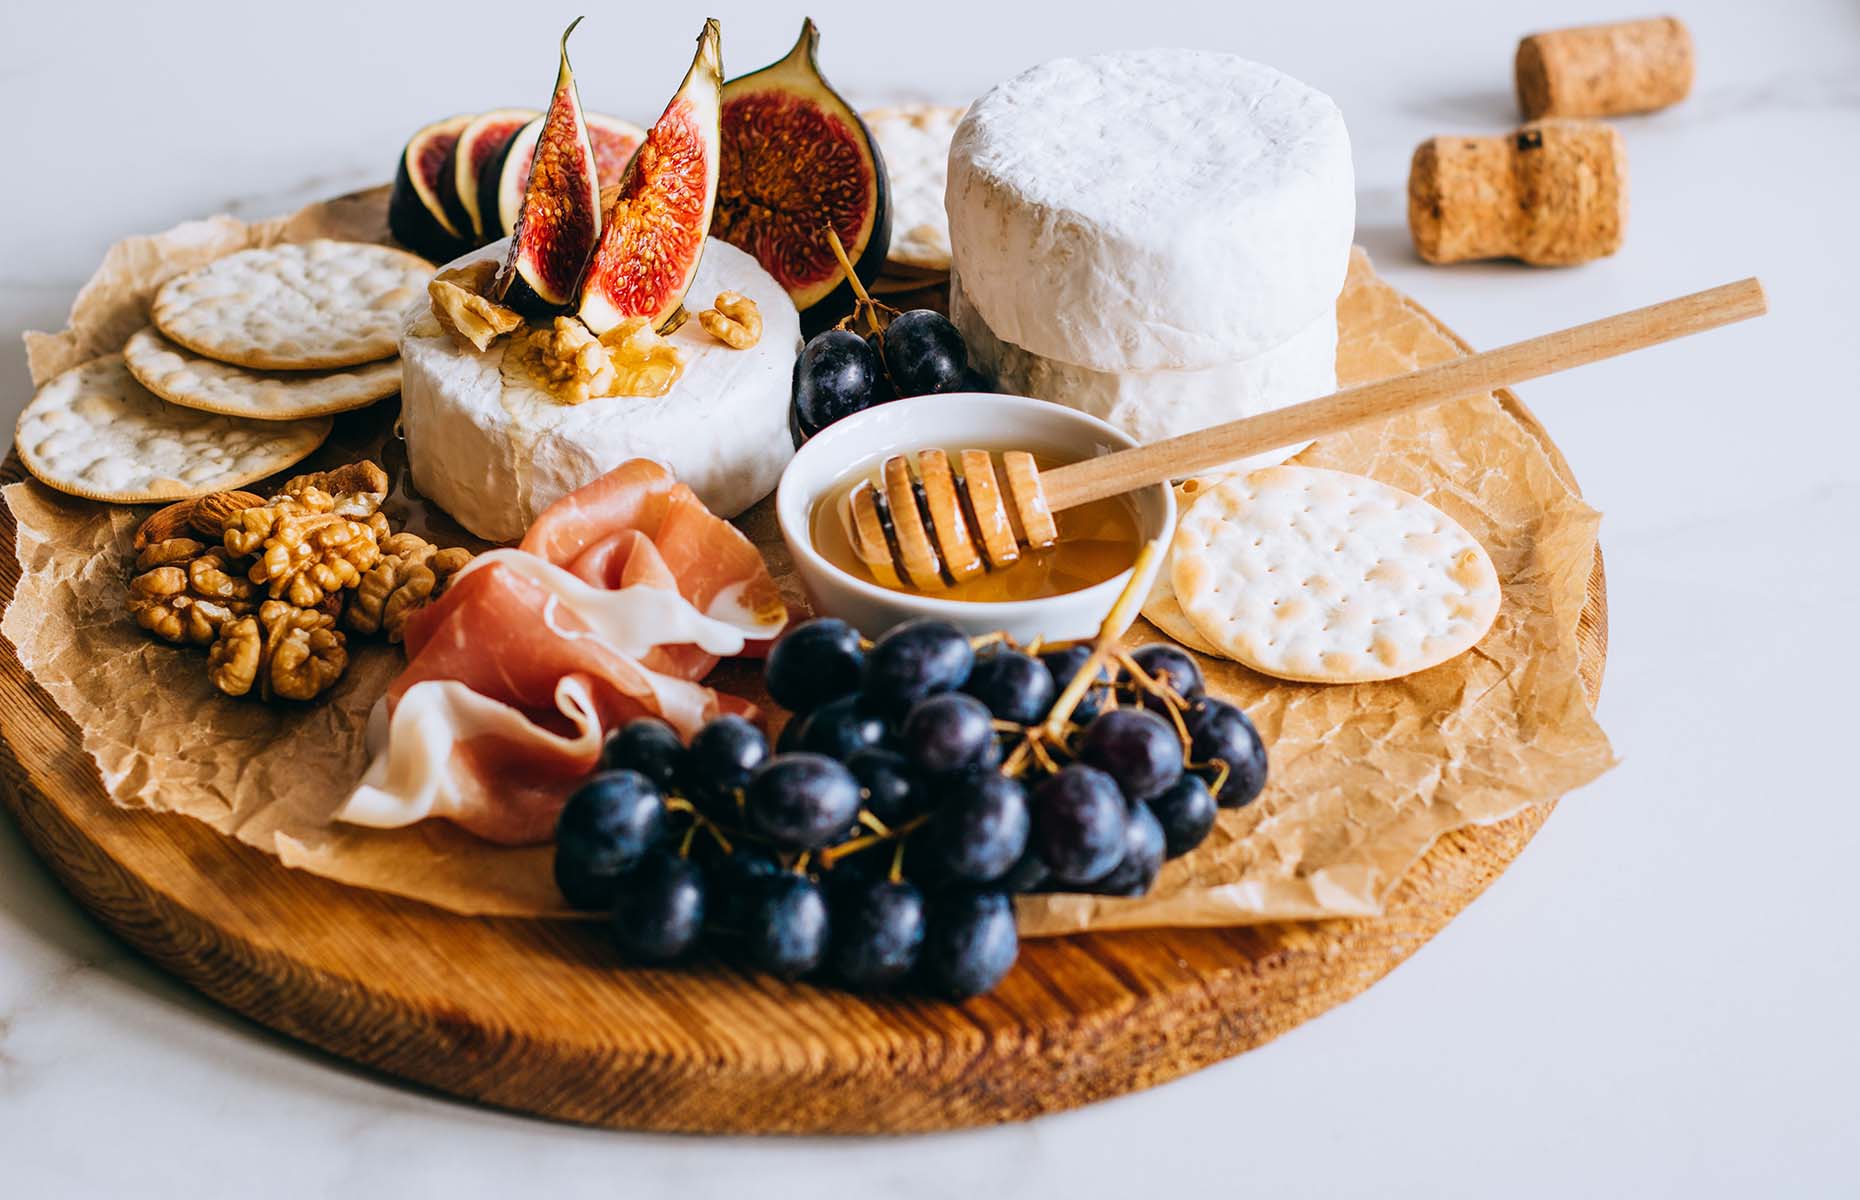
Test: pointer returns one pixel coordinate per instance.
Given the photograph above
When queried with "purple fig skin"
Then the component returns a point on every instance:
(414, 222)
(487, 134)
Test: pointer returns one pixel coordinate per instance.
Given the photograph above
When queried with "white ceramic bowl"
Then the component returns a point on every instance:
(861, 442)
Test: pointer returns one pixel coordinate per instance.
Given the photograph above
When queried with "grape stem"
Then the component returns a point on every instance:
(833, 854)
(1123, 612)
(852, 276)
(1221, 772)
(863, 304)
(1173, 702)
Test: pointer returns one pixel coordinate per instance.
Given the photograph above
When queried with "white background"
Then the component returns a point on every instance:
(1657, 999)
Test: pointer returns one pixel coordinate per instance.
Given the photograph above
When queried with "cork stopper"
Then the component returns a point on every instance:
(1604, 70)
(1551, 193)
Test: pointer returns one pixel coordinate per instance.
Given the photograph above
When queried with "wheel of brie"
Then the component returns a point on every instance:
(1151, 405)
(493, 448)
(1161, 209)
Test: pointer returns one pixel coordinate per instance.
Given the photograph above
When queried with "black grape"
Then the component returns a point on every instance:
(659, 908)
(605, 828)
(1218, 730)
(1079, 820)
(1139, 749)
(812, 663)
(970, 942)
(878, 930)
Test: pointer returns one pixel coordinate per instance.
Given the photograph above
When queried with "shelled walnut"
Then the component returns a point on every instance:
(287, 652)
(412, 573)
(269, 585)
(463, 309)
(183, 592)
(574, 366)
(733, 320)
(355, 490)
(303, 551)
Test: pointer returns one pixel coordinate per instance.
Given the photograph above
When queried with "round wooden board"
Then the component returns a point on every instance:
(538, 1017)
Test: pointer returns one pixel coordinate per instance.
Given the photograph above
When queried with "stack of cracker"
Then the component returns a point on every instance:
(239, 376)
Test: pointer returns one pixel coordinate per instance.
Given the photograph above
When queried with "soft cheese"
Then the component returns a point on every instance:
(494, 449)
(1149, 405)
(1149, 210)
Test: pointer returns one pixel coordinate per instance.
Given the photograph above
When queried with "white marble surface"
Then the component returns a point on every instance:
(1656, 999)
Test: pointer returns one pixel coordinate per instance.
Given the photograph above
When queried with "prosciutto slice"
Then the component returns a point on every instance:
(623, 595)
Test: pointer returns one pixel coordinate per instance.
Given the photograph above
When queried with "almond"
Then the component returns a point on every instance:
(165, 523)
(210, 513)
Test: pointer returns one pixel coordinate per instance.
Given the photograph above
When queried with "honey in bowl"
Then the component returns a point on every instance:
(1097, 541)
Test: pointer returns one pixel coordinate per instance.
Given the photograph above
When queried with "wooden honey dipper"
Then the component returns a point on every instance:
(947, 528)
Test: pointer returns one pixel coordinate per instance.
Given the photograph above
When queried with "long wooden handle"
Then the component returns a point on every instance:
(1476, 374)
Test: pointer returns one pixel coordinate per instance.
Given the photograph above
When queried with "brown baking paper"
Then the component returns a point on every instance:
(1364, 778)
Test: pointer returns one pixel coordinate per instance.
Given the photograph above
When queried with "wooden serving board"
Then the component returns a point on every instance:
(537, 1016)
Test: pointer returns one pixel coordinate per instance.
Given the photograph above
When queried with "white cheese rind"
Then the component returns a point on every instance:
(1153, 209)
(494, 449)
(1151, 405)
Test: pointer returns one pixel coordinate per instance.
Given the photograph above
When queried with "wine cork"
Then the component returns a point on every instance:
(1551, 193)
(1604, 70)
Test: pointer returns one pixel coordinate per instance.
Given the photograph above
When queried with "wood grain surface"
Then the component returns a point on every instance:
(539, 1017)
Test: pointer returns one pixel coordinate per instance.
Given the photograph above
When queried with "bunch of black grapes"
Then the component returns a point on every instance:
(839, 373)
(917, 787)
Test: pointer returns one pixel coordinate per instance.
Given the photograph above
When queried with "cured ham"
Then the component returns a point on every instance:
(620, 599)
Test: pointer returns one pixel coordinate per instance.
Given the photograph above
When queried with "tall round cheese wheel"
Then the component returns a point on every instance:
(1154, 209)
(494, 449)
(1151, 405)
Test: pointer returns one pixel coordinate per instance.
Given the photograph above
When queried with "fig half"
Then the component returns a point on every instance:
(654, 228)
(488, 134)
(417, 215)
(797, 160)
(505, 172)
(559, 221)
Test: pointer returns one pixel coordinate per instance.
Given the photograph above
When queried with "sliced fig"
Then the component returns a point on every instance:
(796, 160)
(504, 173)
(654, 228)
(485, 136)
(559, 221)
(417, 215)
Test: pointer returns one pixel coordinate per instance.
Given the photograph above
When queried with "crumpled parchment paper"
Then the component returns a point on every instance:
(1364, 778)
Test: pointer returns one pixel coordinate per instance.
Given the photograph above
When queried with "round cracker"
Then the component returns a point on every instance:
(97, 433)
(296, 307)
(914, 138)
(1326, 577)
(180, 376)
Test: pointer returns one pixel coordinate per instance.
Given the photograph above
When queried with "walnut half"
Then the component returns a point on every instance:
(304, 552)
(184, 593)
(287, 652)
(355, 490)
(733, 320)
(412, 573)
(463, 308)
